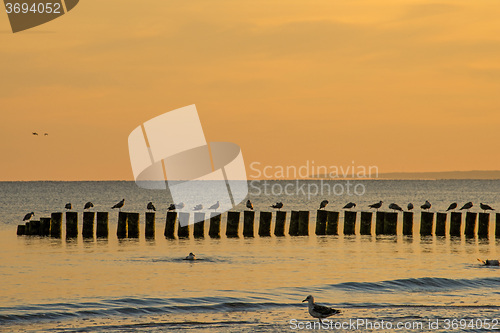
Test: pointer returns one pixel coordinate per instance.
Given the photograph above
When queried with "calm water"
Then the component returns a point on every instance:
(249, 285)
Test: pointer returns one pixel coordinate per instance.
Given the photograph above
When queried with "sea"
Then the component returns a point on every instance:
(380, 283)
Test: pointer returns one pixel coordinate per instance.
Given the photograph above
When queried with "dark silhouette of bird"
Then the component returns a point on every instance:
(68, 206)
(467, 206)
(452, 206)
(28, 216)
(45, 134)
(394, 206)
(249, 205)
(426, 206)
(88, 205)
(410, 206)
(376, 205)
(180, 205)
(485, 207)
(319, 311)
(34, 133)
(277, 206)
(171, 207)
(119, 205)
(198, 207)
(151, 206)
(323, 204)
(349, 205)
(215, 206)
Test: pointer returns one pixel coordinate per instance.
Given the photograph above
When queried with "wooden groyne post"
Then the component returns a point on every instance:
(365, 225)
(441, 224)
(455, 224)
(133, 225)
(88, 225)
(497, 225)
(199, 227)
(332, 223)
(183, 225)
(321, 222)
(121, 228)
(248, 220)
(379, 223)
(170, 225)
(483, 225)
(390, 223)
(470, 224)
(294, 223)
(304, 223)
(45, 226)
(56, 225)
(349, 222)
(233, 224)
(71, 224)
(426, 223)
(265, 224)
(279, 227)
(214, 228)
(407, 223)
(102, 229)
(149, 225)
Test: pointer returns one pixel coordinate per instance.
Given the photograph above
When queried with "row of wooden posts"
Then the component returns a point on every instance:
(327, 223)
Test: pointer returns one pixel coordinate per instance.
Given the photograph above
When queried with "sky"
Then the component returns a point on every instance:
(406, 86)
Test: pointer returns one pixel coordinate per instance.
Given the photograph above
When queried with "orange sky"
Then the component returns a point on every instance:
(403, 85)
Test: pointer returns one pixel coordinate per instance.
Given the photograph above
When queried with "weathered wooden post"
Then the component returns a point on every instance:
(349, 222)
(21, 229)
(248, 218)
(121, 228)
(441, 224)
(497, 225)
(71, 224)
(133, 225)
(279, 227)
(294, 223)
(214, 228)
(484, 224)
(170, 224)
(379, 223)
(304, 223)
(102, 229)
(265, 224)
(321, 222)
(88, 225)
(455, 224)
(199, 227)
(408, 223)
(365, 227)
(332, 223)
(149, 225)
(45, 226)
(34, 227)
(390, 223)
(470, 224)
(56, 225)
(183, 228)
(426, 223)
(233, 224)
(27, 228)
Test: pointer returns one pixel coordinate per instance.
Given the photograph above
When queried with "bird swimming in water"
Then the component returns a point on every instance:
(410, 206)
(394, 206)
(28, 216)
(68, 205)
(490, 262)
(452, 206)
(198, 207)
(34, 133)
(249, 205)
(426, 206)
(485, 207)
(376, 205)
(319, 311)
(277, 206)
(45, 134)
(151, 206)
(349, 205)
(323, 204)
(467, 206)
(88, 205)
(190, 256)
(119, 205)
(215, 206)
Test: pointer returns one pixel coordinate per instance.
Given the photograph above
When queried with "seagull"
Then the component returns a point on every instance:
(215, 206)
(45, 134)
(319, 311)
(376, 205)
(427, 205)
(249, 205)
(68, 205)
(180, 205)
(467, 206)
(151, 206)
(410, 206)
(28, 216)
(119, 205)
(198, 207)
(88, 205)
(393, 206)
(485, 207)
(490, 262)
(452, 206)
(323, 204)
(34, 133)
(171, 207)
(349, 205)
(191, 256)
(278, 205)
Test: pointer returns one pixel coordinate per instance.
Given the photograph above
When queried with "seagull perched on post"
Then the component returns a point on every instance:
(28, 216)
(394, 206)
(410, 206)
(376, 205)
(485, 207)
(278, 206)
(467, 206)
(151, 206)
(427, 205)
(88, 205)
(198, 207)
(349, 205)
(215, 206)
(119, 205)
(34, 133)
(323, 204)
(452, 206)
(68, 206)
(319, 311)
(249, 205)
